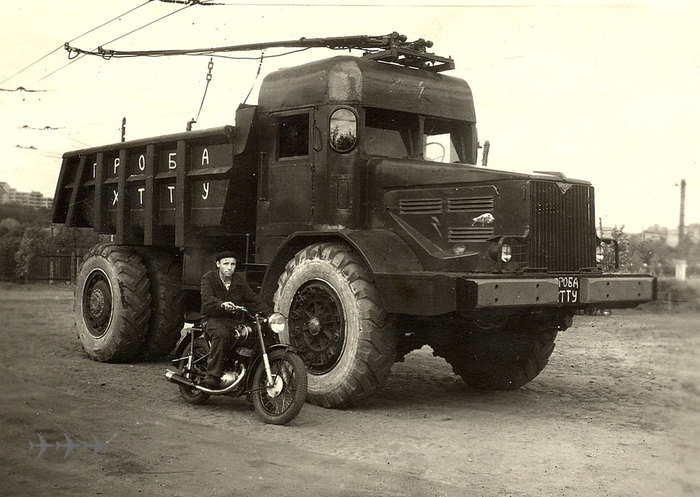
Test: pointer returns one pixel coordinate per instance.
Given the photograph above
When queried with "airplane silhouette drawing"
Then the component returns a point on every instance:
(69, 445)
(42, 445)
(96, 445)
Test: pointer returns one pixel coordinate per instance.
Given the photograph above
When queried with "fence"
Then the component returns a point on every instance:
(44, 267)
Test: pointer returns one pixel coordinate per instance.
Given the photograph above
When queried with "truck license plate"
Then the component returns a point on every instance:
(568, 289)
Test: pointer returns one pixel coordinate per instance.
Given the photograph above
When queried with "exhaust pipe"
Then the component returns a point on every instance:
(181, 380)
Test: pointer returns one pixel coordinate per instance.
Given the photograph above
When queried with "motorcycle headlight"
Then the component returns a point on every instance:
(599, 253)
(277, 322)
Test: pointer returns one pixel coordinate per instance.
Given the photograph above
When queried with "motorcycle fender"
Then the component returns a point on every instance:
(259, 359)
(181, 348)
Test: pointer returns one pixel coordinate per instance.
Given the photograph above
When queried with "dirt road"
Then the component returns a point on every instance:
(614, 413)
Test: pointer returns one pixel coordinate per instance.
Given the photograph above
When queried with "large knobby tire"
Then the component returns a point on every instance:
(337, 324)
(505, 359)
(167, 304)
(112, 303)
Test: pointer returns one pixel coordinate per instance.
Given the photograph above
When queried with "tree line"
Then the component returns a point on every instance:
(26, 232)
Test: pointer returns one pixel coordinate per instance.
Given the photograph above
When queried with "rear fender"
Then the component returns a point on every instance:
(182, 348)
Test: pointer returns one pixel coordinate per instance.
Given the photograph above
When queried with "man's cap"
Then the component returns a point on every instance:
(224, 254)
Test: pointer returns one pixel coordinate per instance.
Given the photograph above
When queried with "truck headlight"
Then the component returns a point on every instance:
(599, 253)
(277, 322)
(506, 253)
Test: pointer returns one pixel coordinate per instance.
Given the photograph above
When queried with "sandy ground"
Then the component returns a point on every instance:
(614, 413)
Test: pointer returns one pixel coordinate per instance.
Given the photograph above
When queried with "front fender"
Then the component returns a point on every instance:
(383, 251)
(258, 360)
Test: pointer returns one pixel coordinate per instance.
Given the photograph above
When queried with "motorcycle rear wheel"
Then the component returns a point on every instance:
(199, 364)
(280, 405)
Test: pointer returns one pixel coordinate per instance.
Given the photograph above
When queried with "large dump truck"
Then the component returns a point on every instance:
(352, 194)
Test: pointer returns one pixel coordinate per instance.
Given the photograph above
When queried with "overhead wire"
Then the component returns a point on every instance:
(77, 37)
(77, 58)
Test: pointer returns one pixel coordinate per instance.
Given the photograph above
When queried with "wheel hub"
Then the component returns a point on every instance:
(97, 304)
(276, 388)
(317, 326)
(314, 326)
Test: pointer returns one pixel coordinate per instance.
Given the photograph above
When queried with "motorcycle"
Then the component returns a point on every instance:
(258, 366)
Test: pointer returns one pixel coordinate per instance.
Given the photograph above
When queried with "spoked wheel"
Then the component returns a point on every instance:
(280, 402)
(197, 371)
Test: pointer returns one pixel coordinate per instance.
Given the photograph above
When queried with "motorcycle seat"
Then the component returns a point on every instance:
(194, 317)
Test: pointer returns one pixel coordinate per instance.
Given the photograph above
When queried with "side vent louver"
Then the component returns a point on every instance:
(469, 234)
(420, 206)
(470, 204)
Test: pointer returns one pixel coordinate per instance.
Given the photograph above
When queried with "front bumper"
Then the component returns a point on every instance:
(432, 294)
(610, 291)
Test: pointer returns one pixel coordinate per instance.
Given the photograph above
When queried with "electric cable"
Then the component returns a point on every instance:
(230, 57)
(262, 55)
(77, 58)
(210, 66)
(79, 36)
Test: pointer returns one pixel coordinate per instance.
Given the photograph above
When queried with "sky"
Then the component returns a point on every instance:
(603, 91)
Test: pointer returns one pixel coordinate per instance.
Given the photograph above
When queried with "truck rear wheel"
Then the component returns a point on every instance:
(112, 303)
(499, 360)
(167, 304)
(337, 324)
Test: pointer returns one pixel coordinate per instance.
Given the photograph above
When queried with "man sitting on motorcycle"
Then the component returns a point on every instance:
(221, 290)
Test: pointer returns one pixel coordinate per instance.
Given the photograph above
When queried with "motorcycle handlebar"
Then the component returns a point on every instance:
(241, 308)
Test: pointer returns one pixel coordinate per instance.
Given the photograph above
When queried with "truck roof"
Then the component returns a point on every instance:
(358, 80)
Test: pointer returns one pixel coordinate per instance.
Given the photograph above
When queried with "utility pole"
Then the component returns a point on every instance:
(681, 222)
(123, 128)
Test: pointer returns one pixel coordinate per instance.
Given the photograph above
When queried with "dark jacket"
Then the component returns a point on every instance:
(214, 293)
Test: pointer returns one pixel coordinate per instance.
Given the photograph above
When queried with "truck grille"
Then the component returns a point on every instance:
(562, 226)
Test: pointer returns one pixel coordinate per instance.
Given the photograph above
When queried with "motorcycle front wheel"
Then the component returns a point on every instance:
(280, 402)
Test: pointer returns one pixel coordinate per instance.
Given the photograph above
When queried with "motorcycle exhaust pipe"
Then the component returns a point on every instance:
(181, 380)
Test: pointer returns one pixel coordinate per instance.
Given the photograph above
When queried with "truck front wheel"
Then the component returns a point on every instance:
(337, 324)
(112, 303)
(505, 359)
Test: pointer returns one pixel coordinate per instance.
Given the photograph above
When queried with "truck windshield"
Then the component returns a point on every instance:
(389, 133)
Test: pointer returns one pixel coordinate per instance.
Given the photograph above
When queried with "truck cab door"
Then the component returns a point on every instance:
(291, 168)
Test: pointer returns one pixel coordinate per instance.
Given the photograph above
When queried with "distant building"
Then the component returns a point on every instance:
(605, 232)
(672, 237)
(9, 195)
(655, 233)
(692, 231)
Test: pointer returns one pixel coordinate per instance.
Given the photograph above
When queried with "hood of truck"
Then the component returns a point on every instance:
(389, 173)
(456, 211)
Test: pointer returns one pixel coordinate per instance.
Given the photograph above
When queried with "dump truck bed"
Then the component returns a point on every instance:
(161, 190)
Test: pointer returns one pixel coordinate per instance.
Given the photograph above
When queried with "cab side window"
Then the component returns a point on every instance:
(293, 135)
